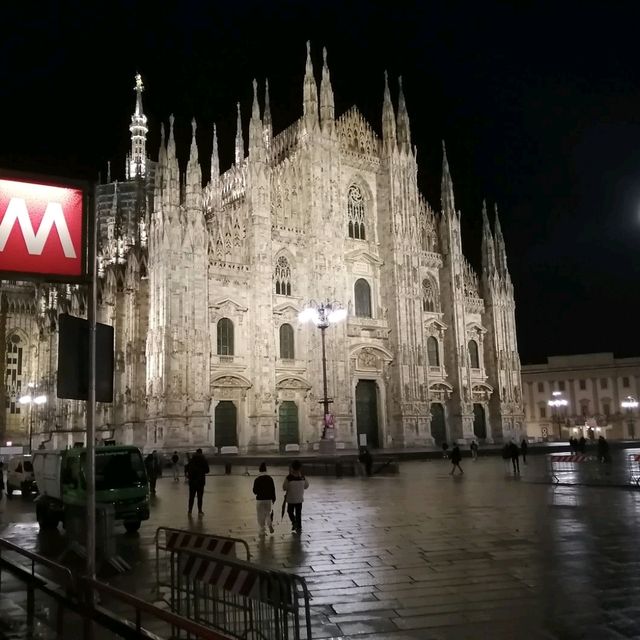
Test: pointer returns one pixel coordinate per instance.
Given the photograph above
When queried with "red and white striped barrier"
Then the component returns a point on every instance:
(210, 544)
(242, 582)
(559, 457)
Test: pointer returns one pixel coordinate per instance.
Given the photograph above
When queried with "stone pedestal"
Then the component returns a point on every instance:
(327, 446)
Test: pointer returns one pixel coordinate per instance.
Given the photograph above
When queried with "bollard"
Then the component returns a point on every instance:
(227, 469)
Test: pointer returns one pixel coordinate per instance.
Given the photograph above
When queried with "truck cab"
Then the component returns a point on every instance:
(121, 481)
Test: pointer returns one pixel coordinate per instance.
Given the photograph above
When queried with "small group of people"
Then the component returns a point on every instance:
(578, 446)
(294, 486)
(512, 452)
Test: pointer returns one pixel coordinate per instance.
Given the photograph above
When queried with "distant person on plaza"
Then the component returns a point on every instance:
(524, 447)
(474, 449)
(175, 460)
(456, 457)
(294, 486)
(603, 449)
(582, 444)
(265, 491)
(366, 459)
(152, 465)
(197, 470)
(514, 454)
(573, 444)
(445, 447)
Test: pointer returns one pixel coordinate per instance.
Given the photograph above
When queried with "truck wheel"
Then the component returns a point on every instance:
(132, 526)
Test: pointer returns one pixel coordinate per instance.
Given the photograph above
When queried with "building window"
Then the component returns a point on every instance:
(283, 276)
(287, 351)
(604, 383)
(473, 354)
(561, 385)
(606, 409)
(583, 385)
(543, 412)
(540, 387)
(433, 352)
(429, 296)
(363, 298)
(584, 408)
(355, 212)
(625, 382)
(225, 337)
(13, 374)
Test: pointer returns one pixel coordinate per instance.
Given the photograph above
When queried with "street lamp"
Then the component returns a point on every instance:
(555, 403)
(31, 399)
(323, 314)
(630, 403)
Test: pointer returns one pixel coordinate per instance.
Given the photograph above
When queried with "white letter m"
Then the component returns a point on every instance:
(17, 210)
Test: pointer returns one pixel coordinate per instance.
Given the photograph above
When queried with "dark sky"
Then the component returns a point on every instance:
(539, 104)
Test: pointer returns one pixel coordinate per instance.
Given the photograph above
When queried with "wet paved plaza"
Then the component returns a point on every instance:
(422, 554)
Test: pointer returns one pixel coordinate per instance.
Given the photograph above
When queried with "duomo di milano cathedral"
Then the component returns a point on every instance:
(204, 286)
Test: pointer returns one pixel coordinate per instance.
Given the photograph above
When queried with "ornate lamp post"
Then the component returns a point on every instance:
(30, 398)
(323, 314)
(555, 403)
(629, 404)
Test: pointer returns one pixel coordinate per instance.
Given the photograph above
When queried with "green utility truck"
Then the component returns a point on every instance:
(121, 480)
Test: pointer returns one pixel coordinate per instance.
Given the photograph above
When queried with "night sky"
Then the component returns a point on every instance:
(539, 106)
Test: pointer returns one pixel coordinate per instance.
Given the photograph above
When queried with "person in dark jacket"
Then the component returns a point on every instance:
(152, 465)
(366, 459)
(514, 454)
(265, 492)
(524, 447)
(603, 449)
(456, 457)
(197, 471)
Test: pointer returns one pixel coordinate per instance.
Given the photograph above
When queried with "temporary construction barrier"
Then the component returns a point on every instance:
(633, 463)
(168, 540)
(571, 466)
(238, 598)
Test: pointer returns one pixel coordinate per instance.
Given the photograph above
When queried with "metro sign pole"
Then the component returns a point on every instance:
(43, 237)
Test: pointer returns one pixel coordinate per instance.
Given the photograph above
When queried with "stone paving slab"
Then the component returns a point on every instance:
(422, 555)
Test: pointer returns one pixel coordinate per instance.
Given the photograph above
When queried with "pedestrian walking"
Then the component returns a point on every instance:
(152, 465)
(366, 459)
(197, 470)
(175, 460)
(456, 457)
(474, 450)
(265, 491)
(524, 447)
(445, 448)
(294, 487)
(582, 445)
(514, 454)
(603, 449)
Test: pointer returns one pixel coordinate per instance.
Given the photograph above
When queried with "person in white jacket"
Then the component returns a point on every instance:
(294, 486)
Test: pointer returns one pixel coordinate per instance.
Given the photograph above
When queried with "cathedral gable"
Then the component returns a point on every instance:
(356, 136)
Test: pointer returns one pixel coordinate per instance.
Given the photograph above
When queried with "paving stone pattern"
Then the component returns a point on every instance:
(423, 555)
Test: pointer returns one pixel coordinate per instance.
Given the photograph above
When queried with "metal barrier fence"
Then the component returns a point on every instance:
(568, 464)
(168, 540)
(633, 463)
(238, 598)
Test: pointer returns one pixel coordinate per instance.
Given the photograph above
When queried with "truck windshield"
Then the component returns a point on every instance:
(118, 469)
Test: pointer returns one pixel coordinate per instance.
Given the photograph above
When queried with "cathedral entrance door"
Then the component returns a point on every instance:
(288, 420)
(225, 424)
(438, 425)
(479, 422)
(367, 411)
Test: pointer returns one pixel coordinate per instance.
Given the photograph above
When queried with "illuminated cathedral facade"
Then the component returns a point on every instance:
(203, 278)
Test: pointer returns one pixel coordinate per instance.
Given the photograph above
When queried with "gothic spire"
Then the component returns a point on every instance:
(193, 154)
(267, 126)
(215, 159)
(138, 128)
(388, 117)
(327, 108)
(193, 178)
(501, 250)
(404, 130)
(239, 157)
(446, 191)
(256, 139)
(310, 93)
(488, 248)
(171, 145)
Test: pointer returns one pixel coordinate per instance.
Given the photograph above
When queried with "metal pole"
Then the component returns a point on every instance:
(91, 400)
(30, 425)
(325, 399)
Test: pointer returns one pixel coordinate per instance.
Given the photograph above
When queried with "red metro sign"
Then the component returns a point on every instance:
(41, 230)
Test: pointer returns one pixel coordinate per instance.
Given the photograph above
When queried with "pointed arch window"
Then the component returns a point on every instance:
(362, 292)
(474, 359)
(433, 352)
(225, 337)
(283, 276)
(429, 296)
(355, 213)
(287, 346)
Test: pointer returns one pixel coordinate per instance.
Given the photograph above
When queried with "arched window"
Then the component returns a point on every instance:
(429, 296)
(355, 212)
(474, 360)
(13, 373)
(283, 276)
(225, 337)
(433, 352)
(363, 298)
(287, 349)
